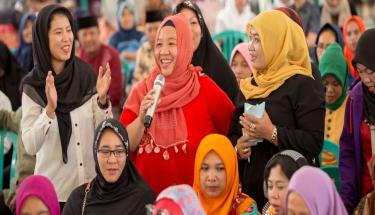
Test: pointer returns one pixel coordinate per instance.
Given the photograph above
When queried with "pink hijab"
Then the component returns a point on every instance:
(181, 87)
(40, 187)
(243, 49)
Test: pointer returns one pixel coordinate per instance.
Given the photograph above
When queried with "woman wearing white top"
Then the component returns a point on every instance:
(62, 103)
(234, 16)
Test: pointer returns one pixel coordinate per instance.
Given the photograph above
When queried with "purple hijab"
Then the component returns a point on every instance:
(40, 187)
(318, 191)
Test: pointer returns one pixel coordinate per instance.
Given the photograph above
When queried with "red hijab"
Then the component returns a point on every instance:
(181, 87)
(349, 54)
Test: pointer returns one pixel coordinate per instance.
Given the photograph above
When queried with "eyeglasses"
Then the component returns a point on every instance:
(151, 210)
(106, 153)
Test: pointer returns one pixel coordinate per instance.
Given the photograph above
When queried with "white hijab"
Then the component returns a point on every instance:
(229, 17)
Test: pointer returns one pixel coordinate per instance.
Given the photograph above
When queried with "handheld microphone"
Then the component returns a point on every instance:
(158, 86)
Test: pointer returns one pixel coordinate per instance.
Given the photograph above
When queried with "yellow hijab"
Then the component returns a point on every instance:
(285, 51)
(220, 144)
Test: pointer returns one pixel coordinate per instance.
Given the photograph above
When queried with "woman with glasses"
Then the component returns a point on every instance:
(118, 188)
(357, 143)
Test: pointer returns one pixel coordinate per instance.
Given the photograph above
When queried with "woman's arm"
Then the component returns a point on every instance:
(134, 123)
(100, 112)
(35, 125)
(348, 190)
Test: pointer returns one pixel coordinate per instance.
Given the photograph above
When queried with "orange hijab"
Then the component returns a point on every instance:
(220, 144)
(349, 54)
(168, 127)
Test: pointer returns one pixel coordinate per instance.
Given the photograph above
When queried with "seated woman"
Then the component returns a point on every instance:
(118, 188)
(277, 174)
(11, 75)
(240, 62)
(127, 39)
(312, 192)
(333, 69)
(233, 16)
(216, 180)
(176, 200)
(186, 112)
(355, 141)
(335, 12)
(353, 28)
(36, 195)
(24, 52)
(294, 103)
(328, 34)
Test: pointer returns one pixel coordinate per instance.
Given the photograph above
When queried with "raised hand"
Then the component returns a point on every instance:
(51, 95)
(103, 83)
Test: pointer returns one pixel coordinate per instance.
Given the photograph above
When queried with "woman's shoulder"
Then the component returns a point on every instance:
(78, 192)
(206, 82)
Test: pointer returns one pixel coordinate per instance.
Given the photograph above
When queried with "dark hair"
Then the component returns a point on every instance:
(328, 28)
(287, 164)
(289, 161)
(64, 12)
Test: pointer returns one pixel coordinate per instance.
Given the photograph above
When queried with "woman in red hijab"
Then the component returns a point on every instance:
(190, 106)
(352, 31)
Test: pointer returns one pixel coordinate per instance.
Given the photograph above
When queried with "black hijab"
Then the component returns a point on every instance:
(209, 57)
(128, 195)
(74, 86)
(365, 55)
(13, 75)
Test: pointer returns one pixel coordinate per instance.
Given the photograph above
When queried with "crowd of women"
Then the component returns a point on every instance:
(238, 137)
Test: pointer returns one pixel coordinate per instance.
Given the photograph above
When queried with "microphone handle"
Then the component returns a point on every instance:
(150, 112)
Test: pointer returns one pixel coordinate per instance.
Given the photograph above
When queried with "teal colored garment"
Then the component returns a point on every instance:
(333, 63)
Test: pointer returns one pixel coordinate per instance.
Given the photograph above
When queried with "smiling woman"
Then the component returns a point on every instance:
(118, 188)
(62, 103)
(294, 103)
(186, 111)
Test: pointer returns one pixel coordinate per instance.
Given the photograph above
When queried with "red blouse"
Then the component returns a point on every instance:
(210, 112)
(366, 185)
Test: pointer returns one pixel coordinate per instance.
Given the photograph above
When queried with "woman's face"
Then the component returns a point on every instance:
(34, 206)
(258, 61)
(60, 36)
(212, 175)
(353, 34)
(127, 19)
(277, 187)
(325, 39)
(166, 50)
(194, 26)
(240, 67)
(111, 156)
(240, 5)
(333, 3)
(27, 32)
(333, 88)
(367, 76)
(296, 205)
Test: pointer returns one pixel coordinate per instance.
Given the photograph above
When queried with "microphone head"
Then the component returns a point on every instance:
(159, 80)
